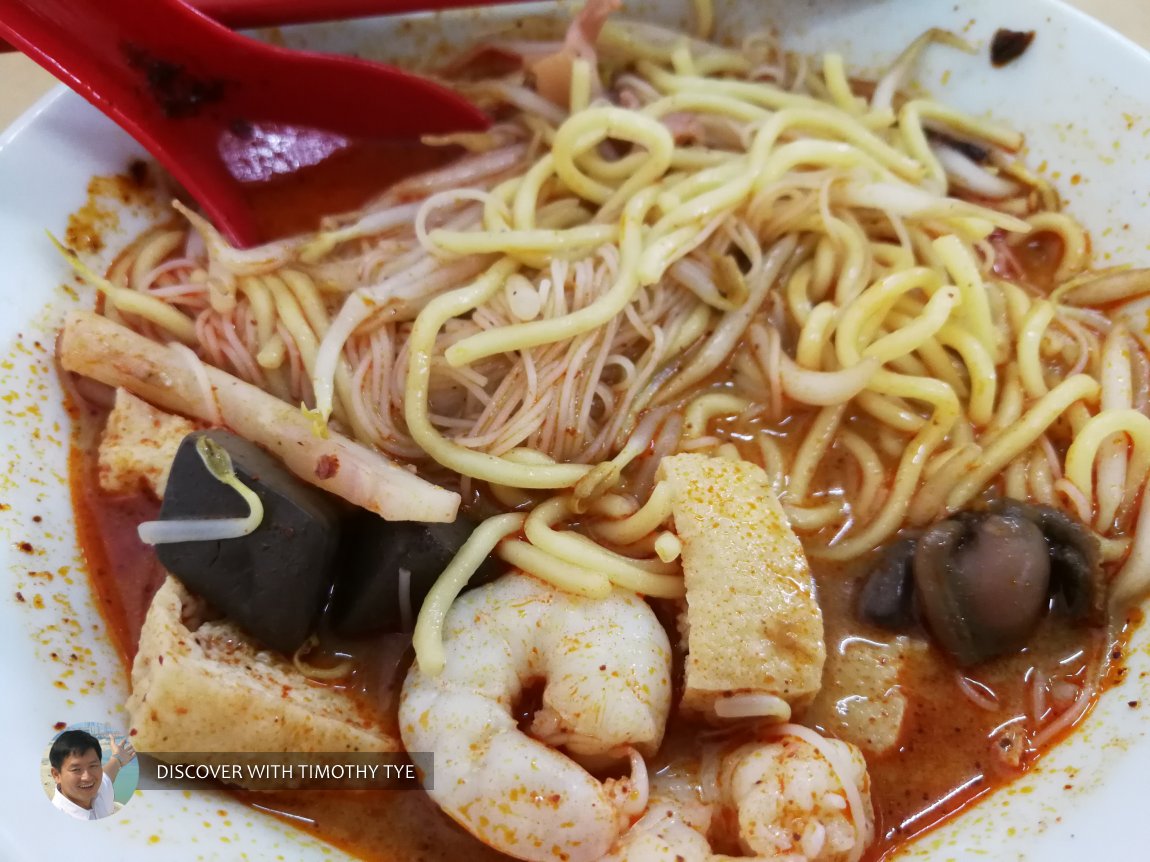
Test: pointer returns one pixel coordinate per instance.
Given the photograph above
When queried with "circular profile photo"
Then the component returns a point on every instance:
(89, 771)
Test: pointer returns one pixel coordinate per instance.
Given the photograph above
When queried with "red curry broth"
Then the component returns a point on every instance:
(343, 182)
(944, 761)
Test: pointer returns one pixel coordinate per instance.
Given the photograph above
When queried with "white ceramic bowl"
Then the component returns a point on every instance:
(1078, 94)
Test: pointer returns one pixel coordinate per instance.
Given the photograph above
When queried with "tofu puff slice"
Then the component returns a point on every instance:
(754, 626)
(138, 445)
(212, 689)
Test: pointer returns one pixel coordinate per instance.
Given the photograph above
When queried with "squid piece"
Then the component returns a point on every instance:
(95, 347)
(755, 637)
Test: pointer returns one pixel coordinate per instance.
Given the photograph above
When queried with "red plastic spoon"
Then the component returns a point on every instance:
(223, 113)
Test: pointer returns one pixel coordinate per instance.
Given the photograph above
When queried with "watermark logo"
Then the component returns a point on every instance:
(288, 770)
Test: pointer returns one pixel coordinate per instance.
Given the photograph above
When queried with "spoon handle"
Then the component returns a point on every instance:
(243, 14)
(219, 110)
(239, 14)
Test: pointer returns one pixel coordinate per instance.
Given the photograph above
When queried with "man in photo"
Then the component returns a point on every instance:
(83, 781)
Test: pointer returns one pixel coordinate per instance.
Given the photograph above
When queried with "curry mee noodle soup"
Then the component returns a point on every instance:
(722, 455)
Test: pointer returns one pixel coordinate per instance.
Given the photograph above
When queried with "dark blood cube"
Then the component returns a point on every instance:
(386, 569)
(273, 582)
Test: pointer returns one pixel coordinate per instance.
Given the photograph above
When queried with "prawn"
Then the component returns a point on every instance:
(553, 73)
(675, 824)
(606, 669)
(797, 797)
